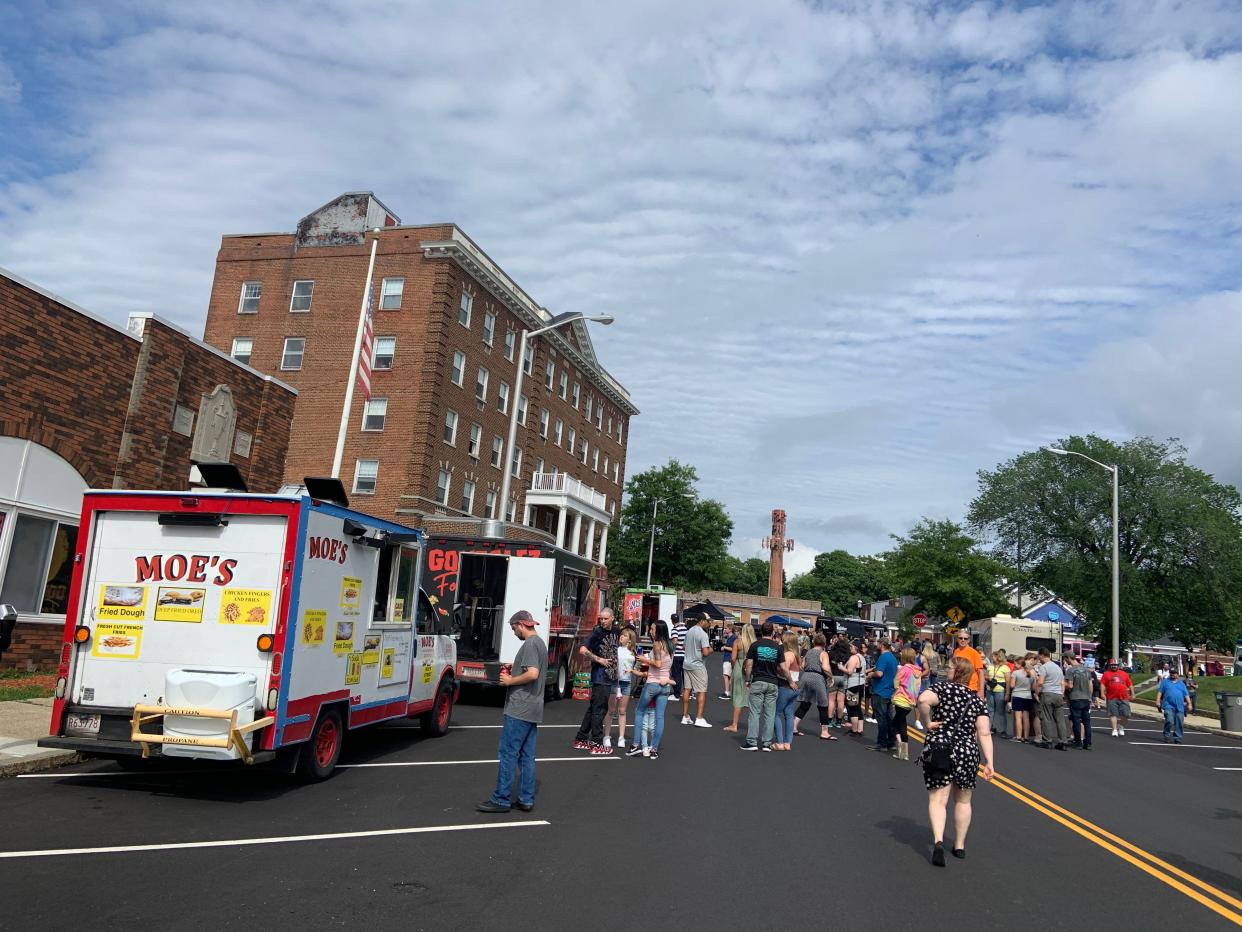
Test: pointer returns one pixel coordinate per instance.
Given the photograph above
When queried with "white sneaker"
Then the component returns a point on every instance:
(871, 721)
(608, 741)
(687, 720)
(1115, 735)
(1121, 731)
(646, 752)
(702, 723)
(621, 741)
(919, 725)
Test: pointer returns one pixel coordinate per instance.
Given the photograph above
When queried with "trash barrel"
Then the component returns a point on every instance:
(1230, 710)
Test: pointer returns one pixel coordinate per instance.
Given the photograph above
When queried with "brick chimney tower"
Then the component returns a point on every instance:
(777, 547)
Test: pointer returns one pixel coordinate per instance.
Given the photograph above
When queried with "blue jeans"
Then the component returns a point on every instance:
(651, 713)
(517, 751)
(762, 719)
(1173, 719)
(1080, 721)
(786, 700)
(882, 709)
(996, 708)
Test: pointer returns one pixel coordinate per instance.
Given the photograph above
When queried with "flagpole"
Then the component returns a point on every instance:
(353, 365)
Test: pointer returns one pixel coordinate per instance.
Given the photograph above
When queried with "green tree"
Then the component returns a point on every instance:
(1179, 529)
(738, 575)
(838, 580)
(691, 533)
(941, 565)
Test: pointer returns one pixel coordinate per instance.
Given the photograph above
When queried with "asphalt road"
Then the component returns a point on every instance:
(829, 835)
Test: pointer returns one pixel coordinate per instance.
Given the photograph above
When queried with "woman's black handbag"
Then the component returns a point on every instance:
(937, 759)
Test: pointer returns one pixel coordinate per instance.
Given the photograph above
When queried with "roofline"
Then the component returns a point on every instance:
(37, 289)
(147, 315)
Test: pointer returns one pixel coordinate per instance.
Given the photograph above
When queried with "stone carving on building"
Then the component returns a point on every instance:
(217, 420)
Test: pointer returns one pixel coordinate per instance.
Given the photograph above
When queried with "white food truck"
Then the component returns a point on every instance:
(226, 625)
(1015, 636)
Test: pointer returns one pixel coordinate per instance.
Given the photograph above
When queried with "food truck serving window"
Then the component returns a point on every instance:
(1035, 645)
(394, 586)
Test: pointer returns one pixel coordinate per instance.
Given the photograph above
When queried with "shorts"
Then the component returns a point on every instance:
(1022, 705)
(838, 684)
(728, 668)
(623, 688)
(694, 679)
(1119, 708)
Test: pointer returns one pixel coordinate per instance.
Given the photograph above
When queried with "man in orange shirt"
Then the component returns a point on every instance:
(964, 649)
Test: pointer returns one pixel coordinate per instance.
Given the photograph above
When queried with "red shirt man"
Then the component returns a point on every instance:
(1118, 691)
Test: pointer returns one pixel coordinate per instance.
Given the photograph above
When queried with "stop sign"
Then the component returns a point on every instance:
(919, 620)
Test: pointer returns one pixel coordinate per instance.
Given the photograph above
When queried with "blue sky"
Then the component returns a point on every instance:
(857, 251)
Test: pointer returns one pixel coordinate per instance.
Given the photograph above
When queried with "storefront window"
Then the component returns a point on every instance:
(60, 570)
(27, 568)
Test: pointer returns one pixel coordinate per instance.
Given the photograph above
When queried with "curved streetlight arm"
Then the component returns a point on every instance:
(1059, 452)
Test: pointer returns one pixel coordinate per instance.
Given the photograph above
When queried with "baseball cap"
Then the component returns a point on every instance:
(523, 618)
(1112, 661)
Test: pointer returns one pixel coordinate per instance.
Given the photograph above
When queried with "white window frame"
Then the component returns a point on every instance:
(391, 288)
(244, 297)
(528, 361)
(558, 432)
(577, 394)
(249, 349)
(584, 450)
(523, 409)
(599, 418)
(451, 420)
(467, 501)
(545, 418)
(443, 499)
(309, 296)
(284, 354)
(616, 472)
(502, 397)
(510, 343)
(549, 374)
(480, 384)
(465, 309)
(489, 504)
(498, 450)
(573, 438)
(517, 462)
(595, 460)
(489, 329)
(375, 408)
(376, 355)
(457, 375)
(367, 473)
(562, 387)
(511, 510)
(475, 441)
(590, 408)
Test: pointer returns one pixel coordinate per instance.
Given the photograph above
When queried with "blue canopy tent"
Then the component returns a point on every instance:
(788, 622)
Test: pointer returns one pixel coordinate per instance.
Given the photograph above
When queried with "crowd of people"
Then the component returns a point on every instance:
(960, 700)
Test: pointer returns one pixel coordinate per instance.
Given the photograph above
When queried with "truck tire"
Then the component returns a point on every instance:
(436, 722)
(323, 750)
(562, 684)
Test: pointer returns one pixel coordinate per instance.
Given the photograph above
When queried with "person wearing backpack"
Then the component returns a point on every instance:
(905, 696)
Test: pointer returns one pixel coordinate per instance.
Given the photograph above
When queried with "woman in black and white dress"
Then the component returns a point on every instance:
(958, 728)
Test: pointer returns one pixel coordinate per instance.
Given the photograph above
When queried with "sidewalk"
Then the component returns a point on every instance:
(22, 723)
(1209, 723)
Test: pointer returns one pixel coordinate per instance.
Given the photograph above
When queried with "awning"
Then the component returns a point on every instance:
(788, 622)
(706, 609)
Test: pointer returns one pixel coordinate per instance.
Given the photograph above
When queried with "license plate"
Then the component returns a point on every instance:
(82, 723)
(471, 672)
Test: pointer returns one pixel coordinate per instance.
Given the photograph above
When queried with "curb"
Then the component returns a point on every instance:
(1137, 709)
(39, 764)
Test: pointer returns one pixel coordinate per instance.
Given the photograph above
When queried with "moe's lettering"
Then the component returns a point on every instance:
(179, 567)
(327, 548)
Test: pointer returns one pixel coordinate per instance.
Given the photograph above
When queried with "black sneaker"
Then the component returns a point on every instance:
(525, 807)
(655, 754)
(752, 747)
(489, 806)
(633, 751)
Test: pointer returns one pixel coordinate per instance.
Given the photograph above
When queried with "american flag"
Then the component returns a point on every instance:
(368, 346)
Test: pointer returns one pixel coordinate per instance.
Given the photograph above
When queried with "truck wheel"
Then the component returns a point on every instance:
(561, 688)
(436, 722)
(321, 752)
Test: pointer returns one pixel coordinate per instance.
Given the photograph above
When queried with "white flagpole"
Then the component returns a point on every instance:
(353, 365)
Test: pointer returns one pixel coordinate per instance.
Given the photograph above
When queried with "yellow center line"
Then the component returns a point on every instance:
(1232, 911)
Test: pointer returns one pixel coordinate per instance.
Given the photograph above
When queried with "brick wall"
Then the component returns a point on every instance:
(34, 644)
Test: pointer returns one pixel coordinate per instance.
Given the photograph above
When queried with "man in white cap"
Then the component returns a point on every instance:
(523, 713)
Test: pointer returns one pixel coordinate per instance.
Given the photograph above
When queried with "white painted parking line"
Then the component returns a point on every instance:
(490, 760)
(1160, 744)
(273, 840)
(1227, 768)
(132, 774)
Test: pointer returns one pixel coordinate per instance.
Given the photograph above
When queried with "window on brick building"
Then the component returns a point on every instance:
(295, 349)
(544, 419)
(511, 511)
(374, 413)
(582, 452)
(528, 359)
(385, 351)
(577, 393)
(549, 375)
(573, 436)
(489, 328)
(450, 428)
(242, 348)
(616, 473)
(562, 388)
(539, 464)
(510, 342)
(595, 460)
(458, 374)
(366, 473)
(599, 417)
(497, 446)
(558, 432)
(523, 405)
(590, 408)
(606, 464)
(480, 385)
(517, 461)
(610, 425)
(390, 293)
(502, 397)
(40, 564)
(467, 496)
(464, 307)
(303, 291)
(443, 482)
(249, 301)
(476, 439)
(489, 507)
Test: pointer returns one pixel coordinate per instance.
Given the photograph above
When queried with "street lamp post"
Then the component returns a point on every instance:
(560, 320)
(655, 510)
(1116, 544)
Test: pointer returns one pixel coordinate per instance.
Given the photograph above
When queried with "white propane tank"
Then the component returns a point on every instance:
(207, 689)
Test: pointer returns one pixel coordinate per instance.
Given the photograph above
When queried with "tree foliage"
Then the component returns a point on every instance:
(838, 580)
(1180, 537)
(941, 565)
(738, 575)
(691, 533)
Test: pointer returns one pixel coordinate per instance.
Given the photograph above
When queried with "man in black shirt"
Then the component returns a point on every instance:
(765, 670)
(601, 649)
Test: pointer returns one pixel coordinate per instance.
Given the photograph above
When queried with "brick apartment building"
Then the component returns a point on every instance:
(427, 448)
(85, 404)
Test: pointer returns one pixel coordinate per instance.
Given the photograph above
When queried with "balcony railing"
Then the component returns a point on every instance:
(568, 485)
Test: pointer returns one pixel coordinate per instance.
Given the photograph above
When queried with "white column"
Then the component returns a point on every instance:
(590, 541)
(560, 526)
(526, 514)
(577, 532)
(603, 545)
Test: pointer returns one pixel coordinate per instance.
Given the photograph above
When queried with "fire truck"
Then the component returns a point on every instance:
(476, 583)
(225, 625)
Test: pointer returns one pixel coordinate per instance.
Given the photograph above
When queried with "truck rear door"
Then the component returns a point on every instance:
(528, 586)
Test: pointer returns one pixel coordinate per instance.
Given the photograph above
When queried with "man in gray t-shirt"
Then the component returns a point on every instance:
(1050, 682)
(1079, 680)
(523, 713)
(694, 671)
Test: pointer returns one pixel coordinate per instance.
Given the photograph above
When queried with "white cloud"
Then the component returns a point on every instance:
(855, 254)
